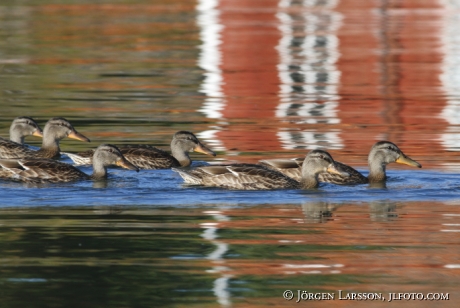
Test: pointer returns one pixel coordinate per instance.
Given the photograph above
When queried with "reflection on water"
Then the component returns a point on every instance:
(249, 78)
(450, 78)
(221, 284)
(323, 211)
(234, 256)
(339, 84)
(309, 78)
(319, 211)
(210, 59)
(383, 210)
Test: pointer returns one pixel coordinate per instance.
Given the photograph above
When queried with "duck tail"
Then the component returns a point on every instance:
(188, 177)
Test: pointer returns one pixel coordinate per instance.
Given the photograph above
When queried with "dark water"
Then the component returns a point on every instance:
(220, 255)
(253, 79)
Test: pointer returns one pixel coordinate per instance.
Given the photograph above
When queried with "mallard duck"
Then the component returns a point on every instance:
(381, 154)
(51, 171)
(55, 130)
(149, 157)
(258, 177)
(22, 127)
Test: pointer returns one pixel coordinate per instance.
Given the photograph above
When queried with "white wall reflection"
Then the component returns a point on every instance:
(212, 140)
(450, 77)
(310, 140)
(307, 70)
(221, 284)
(210, 57)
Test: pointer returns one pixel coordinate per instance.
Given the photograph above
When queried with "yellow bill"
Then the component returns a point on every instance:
(403, 159)
(38, 133)
(200, 148)
(127, 165)
(78, 136)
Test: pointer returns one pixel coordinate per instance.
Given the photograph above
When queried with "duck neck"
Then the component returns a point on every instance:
(182, 156)
(99, 170)
(377, 172)
(16, 136)
(50, 148)
(309, 179)
(308, 183)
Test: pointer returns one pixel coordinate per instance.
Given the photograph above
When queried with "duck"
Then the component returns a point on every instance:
(259, 177)
(44, 170)
(381, 154)
(150, 157)
(55, 130)
(22, 127)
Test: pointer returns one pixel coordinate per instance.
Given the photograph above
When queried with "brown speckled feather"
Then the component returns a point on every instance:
(81, 158)
(238, 176)
(143, 156)
(289, 167)
(148, 157)
(292, 168)
(41, 171)
(12, 150)
(258, 177)
(51, 171)
(355, 176)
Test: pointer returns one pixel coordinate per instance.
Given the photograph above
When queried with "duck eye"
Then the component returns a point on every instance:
(321, 156)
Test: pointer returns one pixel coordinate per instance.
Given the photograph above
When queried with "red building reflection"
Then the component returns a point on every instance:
(334, 74)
